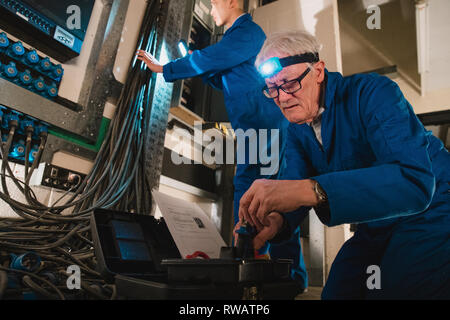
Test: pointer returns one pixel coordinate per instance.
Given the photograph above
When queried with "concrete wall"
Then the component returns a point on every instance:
(439, 50)
(396, 40)
(396, 44)
(319, 17)
(358, 54)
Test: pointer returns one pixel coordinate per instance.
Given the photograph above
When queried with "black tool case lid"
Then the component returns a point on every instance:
(131, 244)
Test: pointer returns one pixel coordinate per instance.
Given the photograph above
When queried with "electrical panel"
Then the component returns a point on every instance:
(30, 75)
(44, 24)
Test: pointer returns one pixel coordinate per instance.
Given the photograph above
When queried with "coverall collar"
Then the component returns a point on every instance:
(239, 21)
(327, 102)
(332, 80)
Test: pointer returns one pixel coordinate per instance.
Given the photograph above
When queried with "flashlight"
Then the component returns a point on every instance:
(183, 48)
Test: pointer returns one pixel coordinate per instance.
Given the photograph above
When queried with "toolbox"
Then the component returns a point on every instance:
(139, 255)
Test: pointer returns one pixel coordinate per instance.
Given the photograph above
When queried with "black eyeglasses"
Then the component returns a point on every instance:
(289, 87)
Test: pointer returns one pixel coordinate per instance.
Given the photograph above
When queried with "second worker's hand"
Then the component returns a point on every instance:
(150, 61)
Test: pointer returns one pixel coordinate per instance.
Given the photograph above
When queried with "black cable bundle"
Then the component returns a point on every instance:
(117, 181)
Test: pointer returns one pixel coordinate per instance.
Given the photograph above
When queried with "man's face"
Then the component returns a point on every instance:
(220, 11)
(302, 106)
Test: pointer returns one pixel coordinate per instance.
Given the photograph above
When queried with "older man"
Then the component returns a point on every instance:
(358, 154)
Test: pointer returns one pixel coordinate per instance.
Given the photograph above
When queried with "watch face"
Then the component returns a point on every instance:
(320, 192)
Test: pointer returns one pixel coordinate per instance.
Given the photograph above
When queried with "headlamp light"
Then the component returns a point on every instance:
(274, 65)
(270, 67)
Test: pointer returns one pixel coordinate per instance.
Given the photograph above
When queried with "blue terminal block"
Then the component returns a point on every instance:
(32, 58)
(29, 262)
(39, 130)
(16, 50)
(39, 85)
(4, 42)
(25, 78)
(18, 150)
(51, 70)
(45, 65)
(24, 124)
(8, 118)
(10, 70)
(52, 90)
(57, 72)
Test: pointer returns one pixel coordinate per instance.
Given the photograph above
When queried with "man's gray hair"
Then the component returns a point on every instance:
(288, 43)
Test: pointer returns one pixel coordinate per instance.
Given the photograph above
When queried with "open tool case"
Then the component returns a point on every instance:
(138, 253)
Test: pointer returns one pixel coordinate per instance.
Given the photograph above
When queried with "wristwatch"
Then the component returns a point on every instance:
(320, 193)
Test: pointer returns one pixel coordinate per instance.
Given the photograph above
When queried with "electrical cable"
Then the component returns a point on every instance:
(34, 286)
(32, 275)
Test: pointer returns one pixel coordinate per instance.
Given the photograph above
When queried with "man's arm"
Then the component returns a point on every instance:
(402, 183)
(215, 81)
(150, 61)
(235, 48)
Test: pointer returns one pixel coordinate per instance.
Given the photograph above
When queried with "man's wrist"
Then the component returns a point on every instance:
(305, 194)
(322, 208)
(321, 195)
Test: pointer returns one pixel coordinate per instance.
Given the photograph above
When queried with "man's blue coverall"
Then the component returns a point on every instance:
(229, 66)
(381, 169)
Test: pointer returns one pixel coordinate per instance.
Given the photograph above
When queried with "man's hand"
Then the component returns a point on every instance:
(274, 225)
(150, 61)
(268, 232)
(266, 196)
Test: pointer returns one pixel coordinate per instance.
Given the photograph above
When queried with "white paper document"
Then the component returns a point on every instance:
(189, 226)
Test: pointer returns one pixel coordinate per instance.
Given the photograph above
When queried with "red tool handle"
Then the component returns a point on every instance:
(197, 254)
